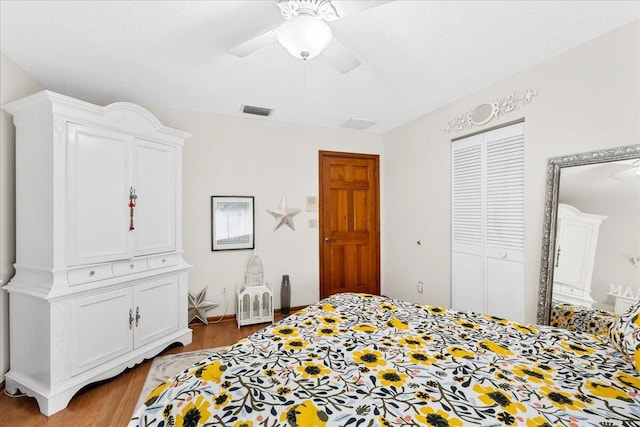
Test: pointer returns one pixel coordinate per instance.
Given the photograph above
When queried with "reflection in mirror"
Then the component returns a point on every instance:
(591, 243)
(576, 247)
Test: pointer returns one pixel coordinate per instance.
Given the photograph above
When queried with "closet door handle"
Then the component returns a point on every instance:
(329, 239)
(558, 257)
(130, 318)
(137, 316)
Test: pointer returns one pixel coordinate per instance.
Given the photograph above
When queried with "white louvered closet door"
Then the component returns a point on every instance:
(467, 224)
(488, 222)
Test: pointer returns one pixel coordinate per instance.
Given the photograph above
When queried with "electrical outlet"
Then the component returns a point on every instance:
(420, 287)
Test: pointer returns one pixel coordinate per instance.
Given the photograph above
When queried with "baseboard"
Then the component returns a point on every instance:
(229, 317)
(291, 310)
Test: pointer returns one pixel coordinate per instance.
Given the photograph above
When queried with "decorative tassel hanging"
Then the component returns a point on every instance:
(132, 204)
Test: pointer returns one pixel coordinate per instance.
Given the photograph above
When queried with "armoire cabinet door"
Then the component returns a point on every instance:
(101, 328)
(155, 211)
(155, 310)
(572, 252)
(99, 176)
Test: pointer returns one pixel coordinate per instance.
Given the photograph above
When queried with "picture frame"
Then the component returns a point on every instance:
(232, 223)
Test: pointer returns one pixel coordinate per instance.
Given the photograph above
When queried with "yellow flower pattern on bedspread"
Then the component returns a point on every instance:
(362, 361)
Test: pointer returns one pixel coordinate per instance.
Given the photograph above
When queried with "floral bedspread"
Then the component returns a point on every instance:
(362, 360)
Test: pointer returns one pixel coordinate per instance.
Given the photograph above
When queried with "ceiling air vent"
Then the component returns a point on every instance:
(357, 124)
(257, 111)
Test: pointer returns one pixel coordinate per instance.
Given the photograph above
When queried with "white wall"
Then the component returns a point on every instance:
(589, 98)
(267, 160)
(14, 84)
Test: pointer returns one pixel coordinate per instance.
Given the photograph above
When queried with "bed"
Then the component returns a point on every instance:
(363, 360)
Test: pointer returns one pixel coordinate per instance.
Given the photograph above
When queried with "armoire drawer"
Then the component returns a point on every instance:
(129, 267)
(89, 274)
(163, 261)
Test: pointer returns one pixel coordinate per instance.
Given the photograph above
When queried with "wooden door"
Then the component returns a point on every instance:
(349, 213)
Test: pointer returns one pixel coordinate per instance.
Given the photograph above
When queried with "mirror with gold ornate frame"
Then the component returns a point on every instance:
(624, 156)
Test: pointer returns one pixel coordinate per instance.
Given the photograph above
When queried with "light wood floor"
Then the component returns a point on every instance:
(111, 403)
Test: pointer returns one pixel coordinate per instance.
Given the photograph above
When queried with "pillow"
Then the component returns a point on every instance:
(625, 333)
(583, 319)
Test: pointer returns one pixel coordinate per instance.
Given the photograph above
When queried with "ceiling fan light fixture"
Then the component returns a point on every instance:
(304, 36)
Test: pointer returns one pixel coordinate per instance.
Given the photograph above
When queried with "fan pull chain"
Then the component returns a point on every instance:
(304, 73)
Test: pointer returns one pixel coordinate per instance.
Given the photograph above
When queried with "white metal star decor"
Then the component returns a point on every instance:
(284, 215)
(198, 306)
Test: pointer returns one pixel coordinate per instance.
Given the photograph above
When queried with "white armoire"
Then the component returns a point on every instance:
(100, 282)
(488, 223)
(575, 254)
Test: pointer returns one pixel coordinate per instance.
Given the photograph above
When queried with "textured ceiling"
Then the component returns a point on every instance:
(416, 55)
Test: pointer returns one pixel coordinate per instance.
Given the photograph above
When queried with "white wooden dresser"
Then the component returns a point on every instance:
(100, 280)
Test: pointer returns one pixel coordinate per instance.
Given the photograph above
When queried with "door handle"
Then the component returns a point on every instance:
(329, 239)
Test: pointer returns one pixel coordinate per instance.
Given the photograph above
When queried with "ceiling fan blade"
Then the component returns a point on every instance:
(346, 8)
(251, 45)
(338, 56)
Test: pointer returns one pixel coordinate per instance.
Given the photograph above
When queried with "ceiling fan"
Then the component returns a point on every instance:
(305, 32)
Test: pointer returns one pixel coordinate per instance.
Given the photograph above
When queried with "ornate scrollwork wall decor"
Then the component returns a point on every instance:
(488, 111)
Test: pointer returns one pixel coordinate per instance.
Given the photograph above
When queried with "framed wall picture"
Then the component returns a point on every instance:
(232, 223)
